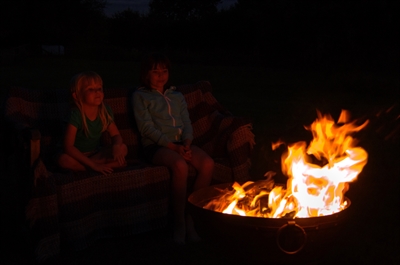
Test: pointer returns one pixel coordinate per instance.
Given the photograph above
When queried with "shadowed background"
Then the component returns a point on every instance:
(274, 61)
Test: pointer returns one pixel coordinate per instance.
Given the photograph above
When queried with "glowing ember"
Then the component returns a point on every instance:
(313, 189)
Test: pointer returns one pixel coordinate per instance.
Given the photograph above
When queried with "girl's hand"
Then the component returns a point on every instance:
(103, 169)
(186, 153)
(118, 154)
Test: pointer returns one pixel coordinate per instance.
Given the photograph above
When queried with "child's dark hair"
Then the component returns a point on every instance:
(150, 62)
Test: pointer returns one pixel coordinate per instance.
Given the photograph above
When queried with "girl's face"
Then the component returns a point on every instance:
(93, 94)
(158, 77)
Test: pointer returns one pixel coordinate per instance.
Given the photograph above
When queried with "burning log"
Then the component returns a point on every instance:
(292, 223)
(318, 176)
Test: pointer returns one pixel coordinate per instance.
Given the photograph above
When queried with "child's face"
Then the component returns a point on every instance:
(93, 94)
(158, 77)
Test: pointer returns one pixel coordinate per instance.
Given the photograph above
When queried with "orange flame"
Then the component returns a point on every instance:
(312, 189)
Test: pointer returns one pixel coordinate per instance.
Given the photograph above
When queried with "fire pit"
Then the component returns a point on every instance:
(265, 239)
(296, 222)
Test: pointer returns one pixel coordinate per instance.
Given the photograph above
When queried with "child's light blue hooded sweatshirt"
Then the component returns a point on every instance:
(161, 118)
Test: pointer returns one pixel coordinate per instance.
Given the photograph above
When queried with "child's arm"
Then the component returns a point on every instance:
(72, 151)
(118, 148)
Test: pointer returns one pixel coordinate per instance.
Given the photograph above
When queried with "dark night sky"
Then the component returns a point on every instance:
(142, 6)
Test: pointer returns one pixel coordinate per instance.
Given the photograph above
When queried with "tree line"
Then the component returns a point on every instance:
(275, 31)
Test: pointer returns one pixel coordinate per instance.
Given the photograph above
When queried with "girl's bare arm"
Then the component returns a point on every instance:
(118, 149)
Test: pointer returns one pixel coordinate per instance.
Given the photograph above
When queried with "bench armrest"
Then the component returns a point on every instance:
(240, 146)
(229, 138)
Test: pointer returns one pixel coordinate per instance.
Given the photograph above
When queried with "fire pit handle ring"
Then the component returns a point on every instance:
(291, 238)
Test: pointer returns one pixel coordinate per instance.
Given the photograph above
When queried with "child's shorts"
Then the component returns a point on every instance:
(151, 150)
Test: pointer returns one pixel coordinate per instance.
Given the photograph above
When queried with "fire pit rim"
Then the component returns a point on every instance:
(297, 220)
(308, 229)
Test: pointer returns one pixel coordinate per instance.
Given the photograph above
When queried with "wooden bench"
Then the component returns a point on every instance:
(75, 209)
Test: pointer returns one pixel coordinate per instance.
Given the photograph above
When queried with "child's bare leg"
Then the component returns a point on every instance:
(67, 162)
(105, 157)
(191, 232)
(115, 164)
(179, 168)
(204, 165)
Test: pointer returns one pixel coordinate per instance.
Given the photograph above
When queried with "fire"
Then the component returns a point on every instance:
(318, 176)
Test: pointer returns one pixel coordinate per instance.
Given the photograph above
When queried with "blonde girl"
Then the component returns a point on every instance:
(89, 118)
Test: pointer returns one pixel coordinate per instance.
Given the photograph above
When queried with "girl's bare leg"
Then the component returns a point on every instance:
(114, 164)
(179, 168)
(105, 157)
(67, 162)
(204, 165)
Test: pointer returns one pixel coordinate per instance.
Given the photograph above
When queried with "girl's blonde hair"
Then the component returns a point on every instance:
(78, 83)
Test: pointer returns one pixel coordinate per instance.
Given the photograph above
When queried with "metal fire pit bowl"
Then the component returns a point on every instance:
(267, 239)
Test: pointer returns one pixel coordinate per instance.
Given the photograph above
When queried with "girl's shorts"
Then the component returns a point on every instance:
(150, 150)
